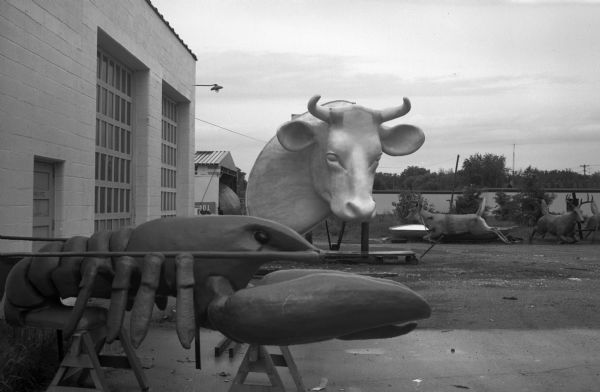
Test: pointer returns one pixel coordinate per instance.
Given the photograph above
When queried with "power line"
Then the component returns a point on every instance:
(231, 130)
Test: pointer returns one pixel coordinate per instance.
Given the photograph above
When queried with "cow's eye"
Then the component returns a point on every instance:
(261, 237)
(333, 158)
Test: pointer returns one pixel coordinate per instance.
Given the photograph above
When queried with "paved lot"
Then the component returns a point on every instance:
(505, 318)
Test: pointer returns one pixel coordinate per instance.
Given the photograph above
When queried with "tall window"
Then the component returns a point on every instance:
(113, 206)
(168, 170)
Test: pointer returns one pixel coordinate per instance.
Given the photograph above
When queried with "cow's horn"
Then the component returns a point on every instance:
(395, 112)
(318, 111)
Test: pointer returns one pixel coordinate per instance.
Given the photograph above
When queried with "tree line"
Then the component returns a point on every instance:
(483, 171)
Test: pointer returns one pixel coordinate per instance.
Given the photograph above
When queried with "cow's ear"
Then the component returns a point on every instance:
(295, 135)
(401, 139)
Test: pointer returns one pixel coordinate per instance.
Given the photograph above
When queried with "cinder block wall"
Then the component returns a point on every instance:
(48, 106)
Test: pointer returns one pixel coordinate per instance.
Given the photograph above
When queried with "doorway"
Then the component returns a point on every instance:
(43, 201)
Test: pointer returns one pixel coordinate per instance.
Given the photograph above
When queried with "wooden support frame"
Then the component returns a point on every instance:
(82, 357)
(259, 360)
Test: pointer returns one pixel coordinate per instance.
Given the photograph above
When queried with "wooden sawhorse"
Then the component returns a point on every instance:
(258, 360)
(83, 356)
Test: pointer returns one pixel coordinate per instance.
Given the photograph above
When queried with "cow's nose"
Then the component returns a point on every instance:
(360, 208)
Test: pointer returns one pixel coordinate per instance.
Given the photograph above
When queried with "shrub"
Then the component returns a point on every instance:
(469, 201)
(407, 200)
(28, 358)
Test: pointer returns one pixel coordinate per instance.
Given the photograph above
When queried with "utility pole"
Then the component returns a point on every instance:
(584, 168)
(453, 183)
(513, 163)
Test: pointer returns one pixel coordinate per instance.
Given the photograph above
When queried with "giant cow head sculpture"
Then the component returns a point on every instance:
(347, 143)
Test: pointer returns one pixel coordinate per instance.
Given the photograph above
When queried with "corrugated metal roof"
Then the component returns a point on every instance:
(209, 157)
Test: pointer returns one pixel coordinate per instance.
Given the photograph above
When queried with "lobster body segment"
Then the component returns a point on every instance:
(287, 309)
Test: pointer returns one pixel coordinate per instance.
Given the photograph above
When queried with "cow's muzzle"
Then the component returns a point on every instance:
(355, 210)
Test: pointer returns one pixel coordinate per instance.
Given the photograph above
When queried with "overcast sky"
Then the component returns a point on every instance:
(482, 75)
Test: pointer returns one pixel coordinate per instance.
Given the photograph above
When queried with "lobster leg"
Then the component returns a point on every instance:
(89, 270)
(144, 299)
(124, 268)
(185, 320)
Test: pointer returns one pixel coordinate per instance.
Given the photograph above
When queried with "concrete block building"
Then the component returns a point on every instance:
(97, 109)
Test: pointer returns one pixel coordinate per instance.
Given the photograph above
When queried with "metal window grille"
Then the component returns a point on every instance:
(113, 191)
(168, 170)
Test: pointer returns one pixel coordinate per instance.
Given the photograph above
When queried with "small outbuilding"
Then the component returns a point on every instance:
(215, 183)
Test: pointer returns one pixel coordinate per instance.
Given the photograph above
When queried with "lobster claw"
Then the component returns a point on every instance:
(313, 306)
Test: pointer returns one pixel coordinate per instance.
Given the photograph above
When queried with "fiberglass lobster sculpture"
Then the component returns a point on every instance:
(155, 260)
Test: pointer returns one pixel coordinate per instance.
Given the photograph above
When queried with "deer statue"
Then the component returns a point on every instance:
(440, 225)
(562, 226)
(592, 223)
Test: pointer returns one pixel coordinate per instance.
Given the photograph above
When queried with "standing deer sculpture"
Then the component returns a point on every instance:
(592, 223)
(562, 226)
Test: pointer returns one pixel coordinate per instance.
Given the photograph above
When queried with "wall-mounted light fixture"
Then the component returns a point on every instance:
(213, 87)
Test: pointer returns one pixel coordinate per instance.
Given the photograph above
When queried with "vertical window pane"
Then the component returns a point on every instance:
(97, 132)
(110, 104)
(102, 166)
(116, 199)
(122, 200)
(123, 171)
(109, 168)
(109, 136)
(108, 200)
(104, 69)
(97, 98)
(102, 199)
(104, 99)
(103, 134)
(97, 166)
(96, 197)
(123, 110)
(117, 76)
(117, 138)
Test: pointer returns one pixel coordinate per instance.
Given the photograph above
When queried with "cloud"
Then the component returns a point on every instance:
(267, 74)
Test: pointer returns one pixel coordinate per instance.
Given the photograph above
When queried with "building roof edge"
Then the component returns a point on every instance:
(172, 29)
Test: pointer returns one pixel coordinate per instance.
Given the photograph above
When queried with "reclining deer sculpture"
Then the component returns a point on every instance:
(562, 226)
(440, 225)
